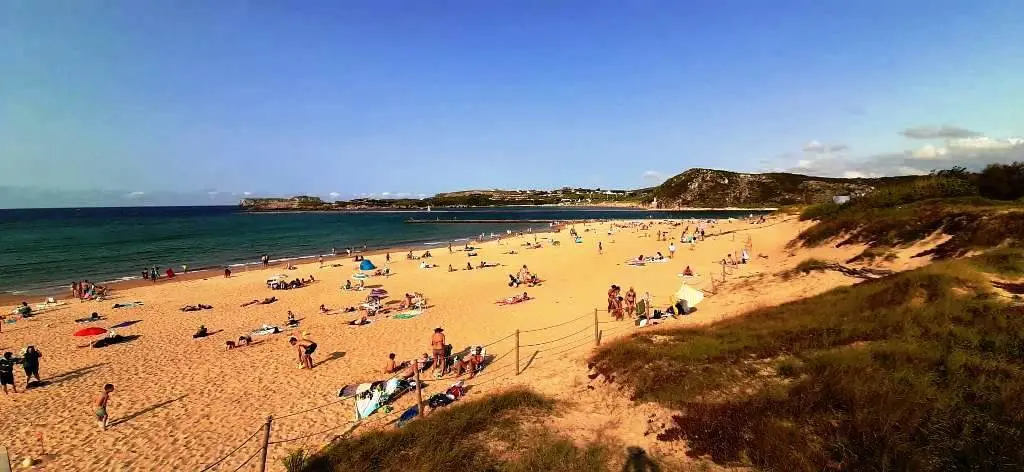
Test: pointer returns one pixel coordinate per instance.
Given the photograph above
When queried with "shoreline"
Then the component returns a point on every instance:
(60, 292)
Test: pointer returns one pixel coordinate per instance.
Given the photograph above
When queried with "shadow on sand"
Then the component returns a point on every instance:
(143, 411)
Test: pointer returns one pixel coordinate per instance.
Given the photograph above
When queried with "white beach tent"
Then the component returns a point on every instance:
(689, 295)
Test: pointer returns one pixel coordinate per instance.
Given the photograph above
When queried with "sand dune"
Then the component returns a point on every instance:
(180, 403)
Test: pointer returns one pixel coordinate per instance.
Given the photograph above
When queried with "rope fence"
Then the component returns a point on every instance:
(554, 348)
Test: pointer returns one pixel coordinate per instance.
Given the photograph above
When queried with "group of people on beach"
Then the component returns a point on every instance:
(86, 290)
(29, 361)
(620, 305)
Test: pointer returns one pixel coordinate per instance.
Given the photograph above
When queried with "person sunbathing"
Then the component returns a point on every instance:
(471, 363)
(292, 322)
(404, 369)
(201, 332)
(24, 310)
(469, 266)
(267, 301)
(513, 281)
(687, 272)
(360, 322)
(450, 268)
(89, 319)
(323, 308)
(515, 299)
(348, 285)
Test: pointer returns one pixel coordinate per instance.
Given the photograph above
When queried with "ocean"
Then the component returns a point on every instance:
(44, 250)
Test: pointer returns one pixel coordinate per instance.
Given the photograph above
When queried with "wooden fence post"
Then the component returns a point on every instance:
(266, 444)
(597, 332)
(419, 388)
(517, 352)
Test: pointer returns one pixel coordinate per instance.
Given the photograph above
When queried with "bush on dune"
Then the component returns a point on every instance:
(462, 437)
(975, 209)
(923, 370)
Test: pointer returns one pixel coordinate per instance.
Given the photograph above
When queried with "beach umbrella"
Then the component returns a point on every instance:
(360, 276)
(91, 331)
(688, 294)
(366, 265)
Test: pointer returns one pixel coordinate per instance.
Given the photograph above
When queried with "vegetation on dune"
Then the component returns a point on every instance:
(923, 370)
(486, 434)
(976, 210)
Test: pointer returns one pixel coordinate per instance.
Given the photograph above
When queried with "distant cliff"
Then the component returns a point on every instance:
(718, 188)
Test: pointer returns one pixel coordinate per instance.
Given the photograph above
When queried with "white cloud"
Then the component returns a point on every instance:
(654, 175)
(930, 152)
(135, 195)
(334, 194)
(984, 143)
(421, 195)
(814, 146)
(385, 194)
(963, 148)
(938, 132)
(247, 193)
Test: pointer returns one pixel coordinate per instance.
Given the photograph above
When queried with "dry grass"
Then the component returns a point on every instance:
(479, 435)
(922, 370)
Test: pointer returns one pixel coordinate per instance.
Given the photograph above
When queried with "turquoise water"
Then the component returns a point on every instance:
(43, 250)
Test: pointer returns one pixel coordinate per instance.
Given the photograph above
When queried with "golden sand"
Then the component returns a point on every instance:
(181, 403)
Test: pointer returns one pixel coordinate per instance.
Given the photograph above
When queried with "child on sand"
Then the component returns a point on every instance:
(101, 407)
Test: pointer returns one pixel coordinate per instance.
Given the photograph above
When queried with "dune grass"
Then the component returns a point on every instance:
(922, 370)
(486, 434)
(973, 223)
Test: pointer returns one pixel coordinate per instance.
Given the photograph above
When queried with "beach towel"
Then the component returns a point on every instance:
(266, 330)
(367, 399)
(408, 415)
(127, 305)
(408, 315)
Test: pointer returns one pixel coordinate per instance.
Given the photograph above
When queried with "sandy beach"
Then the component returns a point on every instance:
(180, 403)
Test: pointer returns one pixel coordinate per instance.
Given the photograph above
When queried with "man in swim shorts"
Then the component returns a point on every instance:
(305, 348)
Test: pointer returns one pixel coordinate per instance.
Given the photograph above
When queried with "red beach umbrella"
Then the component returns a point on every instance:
(91, 331)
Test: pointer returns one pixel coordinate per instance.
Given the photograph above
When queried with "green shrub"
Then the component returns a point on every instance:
(821, 210)
(922, 370)
(1002, 181)
(478, 435)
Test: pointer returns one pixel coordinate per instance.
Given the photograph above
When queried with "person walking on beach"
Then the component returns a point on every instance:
(672, 250)
(437, 345)
(387, 257)
(30, 362)
(102, 417)
(321, 262)
(7, 372)
(600, 248)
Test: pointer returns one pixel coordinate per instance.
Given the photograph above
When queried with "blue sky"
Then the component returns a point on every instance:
(200, 101)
